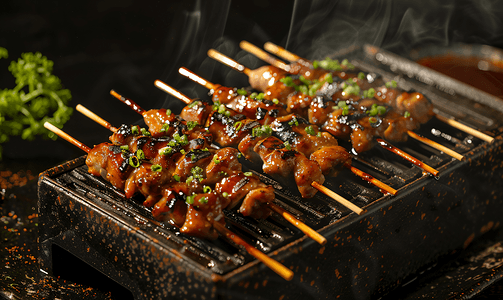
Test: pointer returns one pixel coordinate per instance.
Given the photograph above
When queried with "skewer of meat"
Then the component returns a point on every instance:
(404, 106)
(364, 132)
(230, 130)
(248, 204)
(297, 60)
(214, 88)
(194, 214)
(163, 86)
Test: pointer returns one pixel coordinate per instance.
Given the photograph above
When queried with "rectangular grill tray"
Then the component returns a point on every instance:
(365, 256)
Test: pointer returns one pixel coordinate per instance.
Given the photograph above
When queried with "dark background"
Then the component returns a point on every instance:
(125, 45)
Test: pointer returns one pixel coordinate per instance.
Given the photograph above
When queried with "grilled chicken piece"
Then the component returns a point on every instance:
(256, 194)
(282, 163)
(202, 213)
(108, 161)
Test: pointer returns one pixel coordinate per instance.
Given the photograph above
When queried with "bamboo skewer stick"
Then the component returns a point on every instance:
(289, 217)
(263, 55)
(271, 60)
(268, 261)
(436, 145)
(86, 112)
(407, 156)
(271, 263)
(337, 197)
(66, 136)
(465, 128)
(283, 53)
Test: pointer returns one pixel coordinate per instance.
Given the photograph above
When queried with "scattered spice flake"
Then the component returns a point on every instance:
(10, 180)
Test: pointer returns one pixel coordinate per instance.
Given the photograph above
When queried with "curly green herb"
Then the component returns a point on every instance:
(38, 97)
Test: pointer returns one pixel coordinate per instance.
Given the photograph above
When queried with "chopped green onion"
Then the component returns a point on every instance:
(190, 199)
(207, 189)
(406, 114)
(262, 131)
(168, 112)
(342, 104)
(215, 159)
(260, 96)
(124, 148)
(134, 161)
(176, 177)
(275, 101)
(192, 124)
(189, 179)
(144, 131)
(203, 200)
(345, 111)
(165, 127)
(134, 130)
(238, 125)
(240, 155)
(361, 75)
(166, 151)
(156, 168)
(248, 174)
(310, 130)
(194, 103)
(319, 134)
(221, 109)
(182, 151)
(315, 64)
(372, 120)
(370, 93)
(227, 113)
(140, 154)
(391, 84)
(381, 110)
(225, 194)
(242, 92)
(287, 145)
(294, 121)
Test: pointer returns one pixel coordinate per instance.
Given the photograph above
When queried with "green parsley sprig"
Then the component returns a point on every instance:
(38, 97)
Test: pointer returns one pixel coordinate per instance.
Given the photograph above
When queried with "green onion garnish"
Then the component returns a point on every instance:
(287, 145)
(225, 194)
(310, 130)
(248, 174)
(134, 130)
(190, 199)
(134, 161)
(140, 154)
(238, 125)
(192, 124)
(168, 112)
(203, 200)
(406, 114)
(242, 92)
(207, 189)
(215, 159)
(156, 168)
(176, 177)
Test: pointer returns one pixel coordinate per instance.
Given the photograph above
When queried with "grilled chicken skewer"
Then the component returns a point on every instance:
(297, 60)
(218, 225)
(365, 129)
(289, 217)
(215, 90)
(233, 130)
(268, 58)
